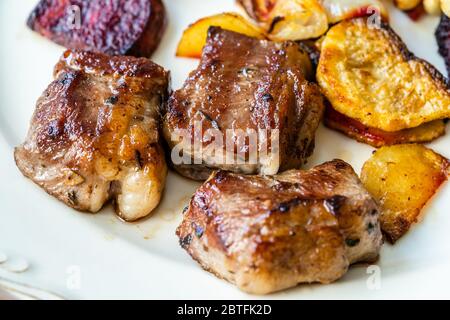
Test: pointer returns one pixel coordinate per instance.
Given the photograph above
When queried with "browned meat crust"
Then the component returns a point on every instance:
(94, 134)
(268, 233)
(245, 84)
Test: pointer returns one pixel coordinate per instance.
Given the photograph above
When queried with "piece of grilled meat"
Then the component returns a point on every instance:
(115, 27)
(243, 84)
(268, 233)
(94, 135)
(443, 39)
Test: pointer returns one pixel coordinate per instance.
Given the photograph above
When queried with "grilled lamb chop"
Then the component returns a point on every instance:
(245, 85)
(115, 27)
(268, 233)
(94, 134)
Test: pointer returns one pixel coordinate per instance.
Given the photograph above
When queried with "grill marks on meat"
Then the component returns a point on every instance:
(245, 84)
(266, 234)
(94, 134)
(116, 27)
(443, 39)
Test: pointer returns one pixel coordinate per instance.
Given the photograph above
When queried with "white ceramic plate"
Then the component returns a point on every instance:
(97, 256)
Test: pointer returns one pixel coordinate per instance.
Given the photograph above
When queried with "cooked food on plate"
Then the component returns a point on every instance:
(407, 4)
(312, 48)
(268, 233)
(369, 75)
(445, 6)
(278, 20)
(244, 86)
(338, 10)
(402, 179)
(245, 121)
(259, 10)
(443, 39)
(306, 19)
(416, 13)
(288, 19)
(417, 8)
(295, 20)
(432, 6)
(426, 132)
(116, 27)
(94, 134)
(194, 37)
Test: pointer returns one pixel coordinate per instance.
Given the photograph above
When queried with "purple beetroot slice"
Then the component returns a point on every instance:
(109, 26)
(443, 39)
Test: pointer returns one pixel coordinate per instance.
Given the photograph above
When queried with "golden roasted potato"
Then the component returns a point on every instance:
(194, 37)
(432, 6)
(368, 74)
(403, 178)
(296, 20)
(288, 19)
(407, 4)
(377, 138)
(258, 10)
(445, 6)
(338, 10)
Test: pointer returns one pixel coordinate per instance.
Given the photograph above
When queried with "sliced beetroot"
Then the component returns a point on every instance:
(443, 39)
(114, 27)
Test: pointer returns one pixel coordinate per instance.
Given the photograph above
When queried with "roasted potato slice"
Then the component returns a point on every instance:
(296, 20)
(368, 74)
(432, 6)
(403, 178)
(259, 10)
(445, 6)
(288, 19)
(194, 37)
(407, 4)
(338, 10)
(377, 138)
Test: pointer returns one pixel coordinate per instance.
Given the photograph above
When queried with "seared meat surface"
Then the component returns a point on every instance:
(115, 27)
(94, 134)
(268, 233)
(244, 85)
